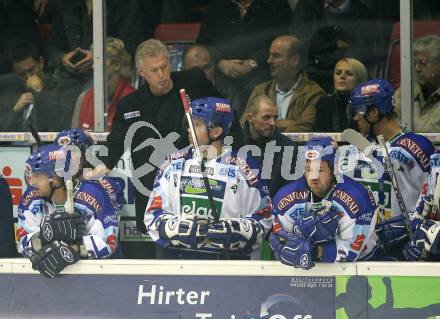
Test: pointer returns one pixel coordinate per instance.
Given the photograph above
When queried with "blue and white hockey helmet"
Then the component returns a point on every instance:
(322, 148)
(376, 92)
(50, 159)
(213, 110)
(75, 136)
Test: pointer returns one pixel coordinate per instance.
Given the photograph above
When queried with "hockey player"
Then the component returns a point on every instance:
(83, 140)
(425, 241)
(214, 208)
(47, 234)
(321, 219)
(409, 153)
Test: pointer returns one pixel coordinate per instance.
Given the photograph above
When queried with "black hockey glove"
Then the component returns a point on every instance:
(53, 258)
(62, 226)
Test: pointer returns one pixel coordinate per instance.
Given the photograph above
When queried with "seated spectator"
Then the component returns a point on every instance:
(72, 33)
(238, 34)
(327, 46)
(332, 110)
(426, 104)
(43, 100)
(352, 16)
(7, 238)
(260, 129)
(290, 88)
(198, 56)
(118, 72)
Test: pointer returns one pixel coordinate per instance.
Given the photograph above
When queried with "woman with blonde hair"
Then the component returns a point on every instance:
(118, 73)
(331, 110)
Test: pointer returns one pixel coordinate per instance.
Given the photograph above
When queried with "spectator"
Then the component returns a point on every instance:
(189, 220)
(72, 33)
(327, 46)
(7, 239)
(426, 104)
(158, 103)
(237, 34)
(198, 56)
(260, 129)
(292, 91)
(332, 110)
(42, 97)
(118, 72)
(352, 16)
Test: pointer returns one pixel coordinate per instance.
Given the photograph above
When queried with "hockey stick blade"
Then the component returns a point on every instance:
(355, 138)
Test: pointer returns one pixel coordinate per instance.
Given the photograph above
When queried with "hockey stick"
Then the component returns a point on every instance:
(186, 102)
(395, 184)
(355, 138)
(69, 201)
(35, 135)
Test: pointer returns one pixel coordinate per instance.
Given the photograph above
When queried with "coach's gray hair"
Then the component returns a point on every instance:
(150, 48)
(430, 44)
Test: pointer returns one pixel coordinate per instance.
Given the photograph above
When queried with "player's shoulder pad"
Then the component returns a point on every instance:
(92, 195)
(246, 164)
(30, 196)
(171, 162)
(290, 194)
(353, 196)
(418, 146)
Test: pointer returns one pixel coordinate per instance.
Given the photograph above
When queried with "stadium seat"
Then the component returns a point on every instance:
(177, 37)
(420, 29)
(177, 32)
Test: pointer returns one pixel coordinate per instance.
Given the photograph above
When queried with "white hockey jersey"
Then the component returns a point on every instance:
(237, 191)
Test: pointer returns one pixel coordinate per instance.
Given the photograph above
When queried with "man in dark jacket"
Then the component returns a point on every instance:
(7, 239)
(35, 97)
(260, 129)
(151, 119)
(238, 34)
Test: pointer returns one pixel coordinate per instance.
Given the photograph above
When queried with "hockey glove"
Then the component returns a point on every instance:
(424, 207)
(53, 258)
(62, 226)
(188, 232)
(425, 240)
(318, 225)
(292, 250)
(235, 234)
(391, 231)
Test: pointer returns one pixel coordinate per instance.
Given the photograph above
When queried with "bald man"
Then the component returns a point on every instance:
(259, 129)
(290, 88)
(198, 56)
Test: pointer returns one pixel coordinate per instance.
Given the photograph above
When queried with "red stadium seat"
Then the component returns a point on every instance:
(177, 32)
(420, 29)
